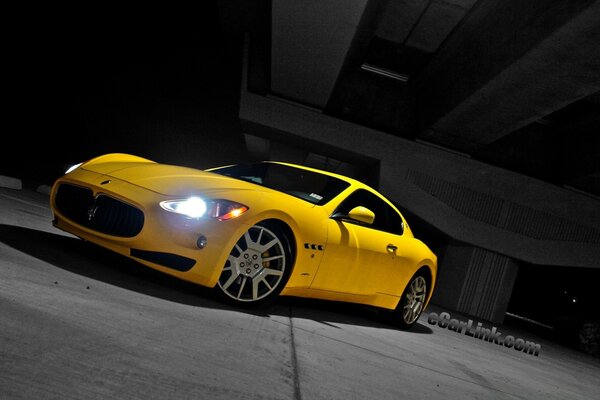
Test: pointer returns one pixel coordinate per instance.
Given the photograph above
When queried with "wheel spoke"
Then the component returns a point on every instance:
(420, 286)
(238, 248)
(270, 271)
(232, 261)
(260, 235)
(418, 307)
(255, 283)
(415, 287)
(248, 239)
(273, 258)
(230, 281)
(267, 246)
(408, 314)
(244, 279)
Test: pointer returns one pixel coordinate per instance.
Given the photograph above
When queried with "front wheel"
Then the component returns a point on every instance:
(412, 302)
(258, 267)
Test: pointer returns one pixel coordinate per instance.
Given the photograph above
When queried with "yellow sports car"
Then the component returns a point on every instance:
(251, 231)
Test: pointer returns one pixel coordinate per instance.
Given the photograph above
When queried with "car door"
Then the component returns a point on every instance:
(359, 258)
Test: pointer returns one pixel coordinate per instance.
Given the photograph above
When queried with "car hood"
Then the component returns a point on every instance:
(169, 180)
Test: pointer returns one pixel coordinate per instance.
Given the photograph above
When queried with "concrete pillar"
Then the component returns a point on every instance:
(475, 281)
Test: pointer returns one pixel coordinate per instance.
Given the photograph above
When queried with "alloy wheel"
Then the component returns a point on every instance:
(255, 267)
(415, 300)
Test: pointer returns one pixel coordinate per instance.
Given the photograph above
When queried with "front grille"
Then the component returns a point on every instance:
(101, 213)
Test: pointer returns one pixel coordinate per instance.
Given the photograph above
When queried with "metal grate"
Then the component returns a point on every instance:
(101, 213)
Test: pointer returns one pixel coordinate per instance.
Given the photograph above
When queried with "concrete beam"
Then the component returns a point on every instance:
(399, 19)
(508, 64)
(309, 42)
(438, 20)
(518, 197)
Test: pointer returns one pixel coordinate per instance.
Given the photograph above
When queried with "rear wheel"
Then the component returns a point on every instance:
(412, 302)
(258, 267)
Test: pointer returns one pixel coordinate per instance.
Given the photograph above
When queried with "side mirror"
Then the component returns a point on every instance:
(358, 214)
(362, 214)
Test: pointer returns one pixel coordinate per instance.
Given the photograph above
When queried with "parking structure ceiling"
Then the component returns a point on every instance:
(510, 83)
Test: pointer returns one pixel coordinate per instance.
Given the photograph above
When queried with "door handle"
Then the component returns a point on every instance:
(391, 248)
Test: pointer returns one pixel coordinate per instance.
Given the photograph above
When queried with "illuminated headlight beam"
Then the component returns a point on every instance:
(192, 207)
(73, 167)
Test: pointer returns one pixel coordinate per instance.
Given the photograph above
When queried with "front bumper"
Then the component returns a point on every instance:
(163, 241)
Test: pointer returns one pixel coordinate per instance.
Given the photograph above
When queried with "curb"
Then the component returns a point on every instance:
(44, 189)
(10, 183)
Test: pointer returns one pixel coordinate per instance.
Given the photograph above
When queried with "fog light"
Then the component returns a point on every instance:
(201, 242)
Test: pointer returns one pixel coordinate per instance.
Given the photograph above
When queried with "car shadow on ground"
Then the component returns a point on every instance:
(94, 262)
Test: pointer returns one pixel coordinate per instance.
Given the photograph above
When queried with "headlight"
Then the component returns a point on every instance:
(73, 167)
(225, 209)
(195, 207)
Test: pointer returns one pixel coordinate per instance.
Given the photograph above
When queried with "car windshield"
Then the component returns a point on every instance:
(311, 186)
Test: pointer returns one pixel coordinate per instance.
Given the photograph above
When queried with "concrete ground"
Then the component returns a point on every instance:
(77, 322)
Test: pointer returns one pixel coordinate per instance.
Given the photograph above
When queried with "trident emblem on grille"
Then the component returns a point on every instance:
(91, 212)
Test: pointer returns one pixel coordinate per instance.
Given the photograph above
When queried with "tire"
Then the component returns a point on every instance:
(258, 267)
(412, 302)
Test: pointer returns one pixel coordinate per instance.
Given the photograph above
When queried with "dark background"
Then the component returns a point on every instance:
(147, 81)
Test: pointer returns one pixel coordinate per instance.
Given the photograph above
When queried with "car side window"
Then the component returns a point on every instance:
(386, 218)
(394, 221)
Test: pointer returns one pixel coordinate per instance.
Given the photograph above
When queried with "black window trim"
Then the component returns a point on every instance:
(387, 208)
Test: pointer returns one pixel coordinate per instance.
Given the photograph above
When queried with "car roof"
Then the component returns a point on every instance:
(354, 183)
(320, 171)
